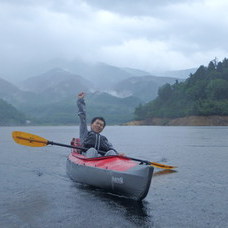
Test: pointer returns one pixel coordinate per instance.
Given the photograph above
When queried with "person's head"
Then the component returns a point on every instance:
(98, 124)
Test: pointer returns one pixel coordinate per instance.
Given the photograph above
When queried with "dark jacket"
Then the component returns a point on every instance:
(90, 138)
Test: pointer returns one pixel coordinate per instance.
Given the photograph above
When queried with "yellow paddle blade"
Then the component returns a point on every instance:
(162, 166)
(28, 139)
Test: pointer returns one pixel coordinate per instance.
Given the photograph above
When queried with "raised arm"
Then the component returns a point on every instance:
(82, 116)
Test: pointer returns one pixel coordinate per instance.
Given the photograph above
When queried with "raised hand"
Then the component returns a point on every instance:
(81, 95)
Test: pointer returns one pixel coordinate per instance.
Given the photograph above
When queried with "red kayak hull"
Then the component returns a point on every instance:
(116, 174)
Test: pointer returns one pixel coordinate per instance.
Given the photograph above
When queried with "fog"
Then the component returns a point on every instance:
(148, 35)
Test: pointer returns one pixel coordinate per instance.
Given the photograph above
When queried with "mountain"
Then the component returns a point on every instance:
(135, 72)
(144, 87)
(13, 95)
(55, 85)
(53, 80)
(9, 115)
(49, 97)
(177, 73)
(103, 76)
(8, 89)
(115, 110)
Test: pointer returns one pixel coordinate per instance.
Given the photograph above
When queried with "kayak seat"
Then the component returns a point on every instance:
(76, 142)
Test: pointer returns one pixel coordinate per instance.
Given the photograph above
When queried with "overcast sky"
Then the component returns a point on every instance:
(152, 35)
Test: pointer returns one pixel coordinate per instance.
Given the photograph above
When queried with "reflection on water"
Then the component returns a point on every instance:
(164, 172)
(137, 212)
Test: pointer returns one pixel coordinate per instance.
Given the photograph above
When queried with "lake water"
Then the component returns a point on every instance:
(36, 192)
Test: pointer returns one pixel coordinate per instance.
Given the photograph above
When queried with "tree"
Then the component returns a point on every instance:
(219, 67)
(217, 89)
(225, 63)
(211, 66)
(200, 73)
(139, 112)
(165, 91)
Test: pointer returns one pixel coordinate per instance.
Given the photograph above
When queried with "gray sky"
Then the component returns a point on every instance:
(152, 35)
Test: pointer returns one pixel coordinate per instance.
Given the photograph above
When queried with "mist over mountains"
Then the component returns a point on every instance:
(98, 77)
(50, 97)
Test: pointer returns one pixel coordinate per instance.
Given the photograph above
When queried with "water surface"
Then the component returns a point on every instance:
(36, 192)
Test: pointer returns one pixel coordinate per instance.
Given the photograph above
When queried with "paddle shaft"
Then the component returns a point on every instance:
(74, 147)
(99, 151)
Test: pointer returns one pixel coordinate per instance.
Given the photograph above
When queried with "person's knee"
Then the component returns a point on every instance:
(91, 153)
(111, 153)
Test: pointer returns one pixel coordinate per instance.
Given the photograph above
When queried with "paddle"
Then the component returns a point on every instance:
(28, 139)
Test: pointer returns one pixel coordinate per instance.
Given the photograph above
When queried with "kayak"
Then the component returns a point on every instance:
(115, 174)
(124, 176)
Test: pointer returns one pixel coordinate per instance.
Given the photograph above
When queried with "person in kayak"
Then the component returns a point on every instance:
(92, 139)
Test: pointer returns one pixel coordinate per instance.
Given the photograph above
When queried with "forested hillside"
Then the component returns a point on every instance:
(9, 115)
(115, 110)
(204, 93)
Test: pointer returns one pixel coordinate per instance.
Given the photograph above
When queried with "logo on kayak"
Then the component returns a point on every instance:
(117, 180)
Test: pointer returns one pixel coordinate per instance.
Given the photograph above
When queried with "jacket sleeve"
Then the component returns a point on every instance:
(110, 146)
(83, 131)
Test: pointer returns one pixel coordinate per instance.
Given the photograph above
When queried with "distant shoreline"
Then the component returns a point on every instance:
(183, 121)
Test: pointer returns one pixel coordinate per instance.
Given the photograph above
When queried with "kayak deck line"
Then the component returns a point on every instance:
(117, 163)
